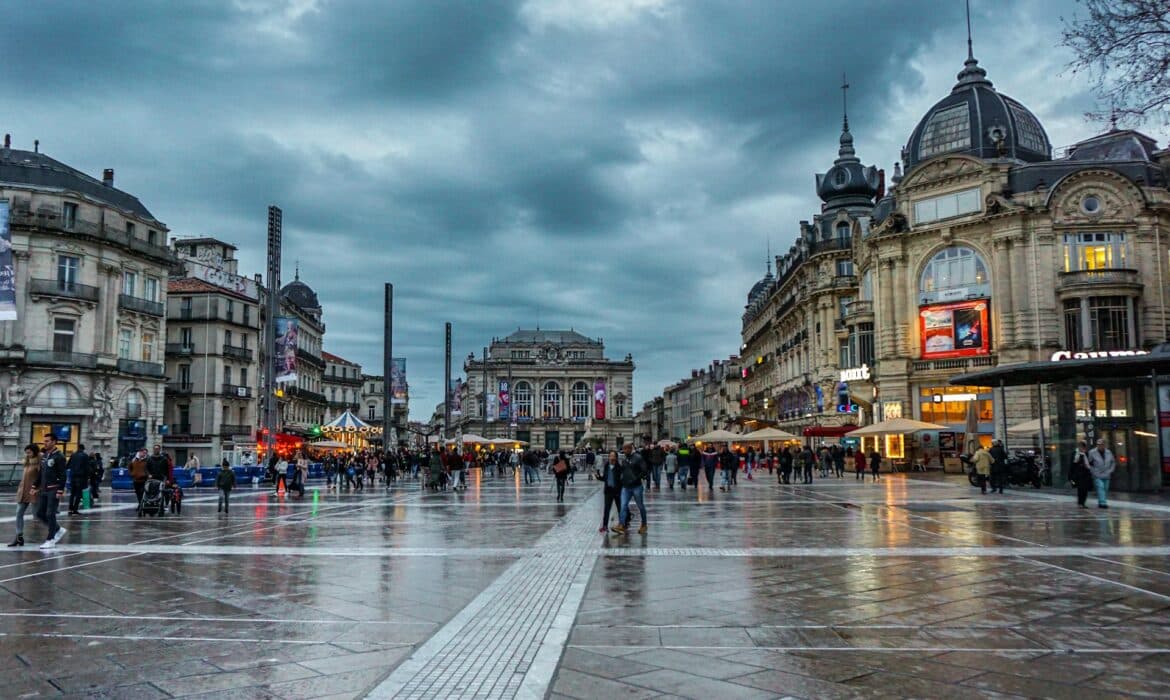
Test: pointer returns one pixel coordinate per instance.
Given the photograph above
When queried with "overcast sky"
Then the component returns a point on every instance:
(614, 166)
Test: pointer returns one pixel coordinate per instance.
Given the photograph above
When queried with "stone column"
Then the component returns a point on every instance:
(1130, 325)
(109, 278)
(1086, 328)
(1001, 285)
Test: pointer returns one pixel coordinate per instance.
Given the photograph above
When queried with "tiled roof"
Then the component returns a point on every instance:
(330, 357)
(190, 285)
(39, 170)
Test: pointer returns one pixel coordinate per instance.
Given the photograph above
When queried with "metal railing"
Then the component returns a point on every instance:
(180, 348)
(145, 369)
(144, 306)
(830, 245)
(11, 473)
(66, 359)
(237, 352)
(1123, 277)
(232, 429)
(237, 391)
(51, 218)
(177, 388)
(63, 288)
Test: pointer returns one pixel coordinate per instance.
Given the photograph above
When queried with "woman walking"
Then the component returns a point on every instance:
(560, 468)
(858, 462)
(24, 494)
(1080, 475)
(671, 467)
(609, 475)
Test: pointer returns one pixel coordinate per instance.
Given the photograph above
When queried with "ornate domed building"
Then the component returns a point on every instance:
(304, 403)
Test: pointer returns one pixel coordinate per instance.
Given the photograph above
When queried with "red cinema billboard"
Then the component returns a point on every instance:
(960, 329)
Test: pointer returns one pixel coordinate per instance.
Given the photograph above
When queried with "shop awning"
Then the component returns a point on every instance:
(1070, 367)
(347, 423)
(828, 430)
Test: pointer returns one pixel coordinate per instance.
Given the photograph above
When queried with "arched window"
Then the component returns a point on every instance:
(550, 400)
(522, 398)
(954, 274)
(579, 400)
(58, 395)
(135, 403)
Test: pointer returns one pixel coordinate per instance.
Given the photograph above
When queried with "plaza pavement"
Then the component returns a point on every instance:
(911, 587)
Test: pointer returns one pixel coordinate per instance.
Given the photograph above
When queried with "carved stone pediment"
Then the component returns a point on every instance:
(1094, 197)
(941, 170)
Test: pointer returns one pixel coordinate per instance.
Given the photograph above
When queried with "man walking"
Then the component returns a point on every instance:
(634, 470)
(49, 488)
(78, 467)
(1101, 466)
(225, 481)
(710, 458)
(1080, 475)
(609, 475)
(728, 463)
(999, 467)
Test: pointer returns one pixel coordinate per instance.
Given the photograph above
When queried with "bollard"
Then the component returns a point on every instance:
(86, 497)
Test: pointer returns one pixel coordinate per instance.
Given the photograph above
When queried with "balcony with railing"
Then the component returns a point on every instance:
(1117, 278)
(305, 356)
(295, 392)
(46, 217)
(140, 305)
(144, 369)
(180, 348)
(950, 364)
(180, 388)
(237, 352)
(237, 391)
(61, 359)
(232, 429)
(64, 289)
(857, 310)
(829, 246)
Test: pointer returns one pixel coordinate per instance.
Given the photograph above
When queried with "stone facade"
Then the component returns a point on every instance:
(562, 390)
(342, 384)
(85, 352)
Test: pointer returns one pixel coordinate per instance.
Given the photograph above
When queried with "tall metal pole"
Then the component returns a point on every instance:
(388, 369)
(484, 404)
(447, 384)
(274, 249)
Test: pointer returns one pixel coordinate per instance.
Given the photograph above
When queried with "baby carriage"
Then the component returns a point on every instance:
(153, 500)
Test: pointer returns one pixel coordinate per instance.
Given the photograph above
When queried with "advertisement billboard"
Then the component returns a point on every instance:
(7, 274)
(398, 381)
(492, 407)
(504, 396)
(960, 329)
(285, 355)
(599, 400)
(456, 394)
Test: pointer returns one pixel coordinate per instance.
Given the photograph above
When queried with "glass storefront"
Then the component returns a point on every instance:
(68, 435)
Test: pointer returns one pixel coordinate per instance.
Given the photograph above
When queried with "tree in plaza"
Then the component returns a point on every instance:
(1124, 45)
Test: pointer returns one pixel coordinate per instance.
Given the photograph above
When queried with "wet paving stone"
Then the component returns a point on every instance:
(912, 587)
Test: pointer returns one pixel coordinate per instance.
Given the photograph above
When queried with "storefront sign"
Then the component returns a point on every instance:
(891, 410)
(954, 398)
(955, 330)
(1060, 355)
(855, 374)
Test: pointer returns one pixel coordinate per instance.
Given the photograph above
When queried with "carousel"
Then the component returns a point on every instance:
(346, 432)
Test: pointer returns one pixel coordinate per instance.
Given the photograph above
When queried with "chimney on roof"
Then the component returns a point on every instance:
(108, 177)
(36, 146)
(7, 145)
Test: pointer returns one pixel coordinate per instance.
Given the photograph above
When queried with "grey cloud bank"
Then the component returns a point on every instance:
(616, 167)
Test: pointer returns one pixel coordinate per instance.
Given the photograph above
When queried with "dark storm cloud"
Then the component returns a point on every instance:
(614, 166)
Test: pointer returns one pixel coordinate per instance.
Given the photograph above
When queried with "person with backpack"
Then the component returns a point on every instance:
(657, 459)
(560, 469)
(804, 464)
(225, 481)
(633, 472)
(684, 465)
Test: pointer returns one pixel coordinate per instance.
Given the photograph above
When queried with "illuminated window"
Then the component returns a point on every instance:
(947, 206)
(947, 130)
(1097, 250)
(954, 273)
(550, 400)
(522, 398)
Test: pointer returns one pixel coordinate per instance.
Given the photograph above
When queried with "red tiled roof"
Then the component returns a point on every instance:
(330, 357)
(191, 285)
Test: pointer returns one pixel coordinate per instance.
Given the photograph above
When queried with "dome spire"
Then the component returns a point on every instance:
(768, 260)
(845, 153)
(972, 73)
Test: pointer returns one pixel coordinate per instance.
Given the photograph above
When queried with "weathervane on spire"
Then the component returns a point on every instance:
(298, 270)
(970, 48)
(845, 102)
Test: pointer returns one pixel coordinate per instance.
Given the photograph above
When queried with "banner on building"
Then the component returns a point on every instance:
(492, 407)
(398, 381)
(285, 355)
(456, 394)
(7, 273)
(955, 330)
(504, 397)
(599, 400)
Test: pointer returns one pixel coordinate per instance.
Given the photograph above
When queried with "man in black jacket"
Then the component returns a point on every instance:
(49, 488)
(79, 467)
(633, 472)
(999, 466)
(158, 465)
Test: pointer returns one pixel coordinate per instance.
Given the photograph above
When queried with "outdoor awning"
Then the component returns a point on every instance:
(1069, 367)
(828, 430)
(770, 434)
(718, 436)
(897, 426)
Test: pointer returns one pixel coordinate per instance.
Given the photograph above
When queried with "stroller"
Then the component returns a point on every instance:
(153, 500)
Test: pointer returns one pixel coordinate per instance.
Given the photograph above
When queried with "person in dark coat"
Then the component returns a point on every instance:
(78, 467)
(49, 488)
(999, 466)
(96, 474)
(225, 481)
(610, 475)
(784, 473)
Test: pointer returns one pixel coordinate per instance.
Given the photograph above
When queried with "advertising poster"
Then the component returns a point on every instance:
(285, 356)
(504, 397)
(7, 273)
(398, 381)
(492, 407)
(1164, 424)
(456, 400)
(955, 330)
(599, 400)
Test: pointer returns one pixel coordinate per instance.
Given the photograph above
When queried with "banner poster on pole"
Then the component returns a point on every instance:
(1164, 424)
(492, 407)
(398, 381)
(285, 356)
(599, 397)
(7, 274)
(505, 400)
(456, 402)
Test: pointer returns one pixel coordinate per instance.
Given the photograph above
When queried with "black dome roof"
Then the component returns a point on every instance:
(301, 294)
(848, 181)
(976, 119)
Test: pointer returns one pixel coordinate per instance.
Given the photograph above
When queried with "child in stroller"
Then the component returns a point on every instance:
(152, 499)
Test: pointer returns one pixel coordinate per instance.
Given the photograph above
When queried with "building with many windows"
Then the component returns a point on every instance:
(342, 383)
(553, 389)
(81, 348)
(212, 353)
(303, 403)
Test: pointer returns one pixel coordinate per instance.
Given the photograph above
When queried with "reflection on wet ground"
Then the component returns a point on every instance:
(903, 588)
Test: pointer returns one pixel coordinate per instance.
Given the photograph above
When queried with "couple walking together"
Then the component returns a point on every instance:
(624, 479)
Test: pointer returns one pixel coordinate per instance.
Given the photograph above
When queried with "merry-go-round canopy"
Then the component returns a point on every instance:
(347, 423)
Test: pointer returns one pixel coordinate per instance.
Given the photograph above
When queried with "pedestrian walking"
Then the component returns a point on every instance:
(1101, 466)
(999, 467)
(560, 469)
(97, 472)
(875, 462)
(50, 484)
(859, 463)
(609, 474)
(26, 492)
(1079, 473)
(838, 456)
(656, 456)
(633, 473)
(138, 473)
(225, 481)
(78, 468)
(983, 466)
(805, 461)
(784, 473)
(728, 462)
(710, 459)
(670, 466)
